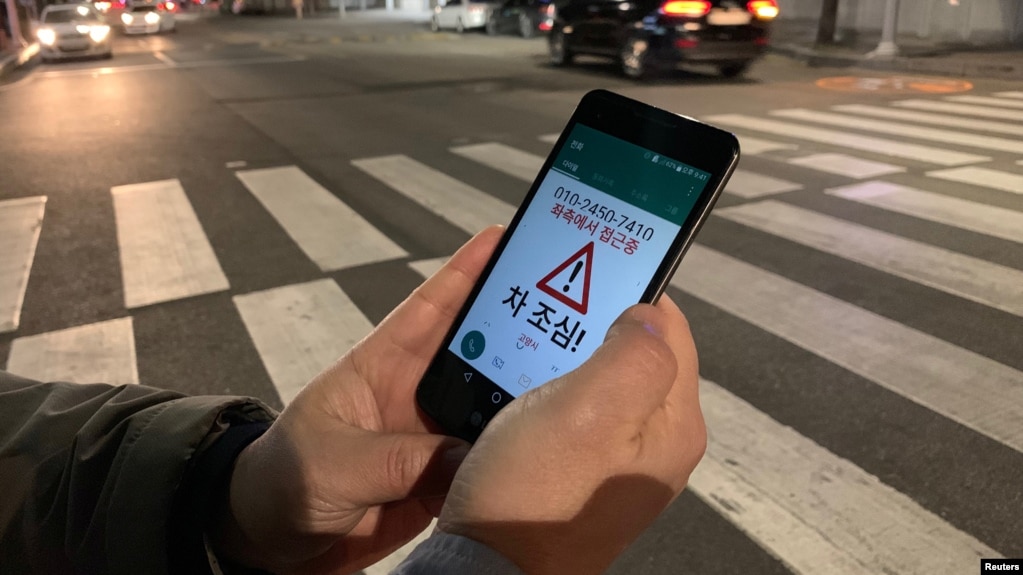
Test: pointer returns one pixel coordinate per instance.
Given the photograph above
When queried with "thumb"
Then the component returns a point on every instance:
(630, 374)
(394, 466)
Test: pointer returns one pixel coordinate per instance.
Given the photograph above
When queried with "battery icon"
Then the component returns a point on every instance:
(678, 169)
(655, 158)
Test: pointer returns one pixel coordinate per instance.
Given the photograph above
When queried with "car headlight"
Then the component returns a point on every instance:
(126, 18)
(46, 36)
(102, 6)
(152, 17)
(99, 33)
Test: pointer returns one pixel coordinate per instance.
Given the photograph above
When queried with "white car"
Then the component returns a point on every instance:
(72, 30)
(147, 19)
(461, 15)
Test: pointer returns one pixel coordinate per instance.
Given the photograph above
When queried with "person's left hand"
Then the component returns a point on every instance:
(350, 470)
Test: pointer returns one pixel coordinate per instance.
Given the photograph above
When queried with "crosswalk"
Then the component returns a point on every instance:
(948, 167)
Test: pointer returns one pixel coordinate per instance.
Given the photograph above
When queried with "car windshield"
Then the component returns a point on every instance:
(67, 15)
(144, 9)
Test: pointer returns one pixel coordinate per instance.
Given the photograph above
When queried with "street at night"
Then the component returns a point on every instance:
(228, 208)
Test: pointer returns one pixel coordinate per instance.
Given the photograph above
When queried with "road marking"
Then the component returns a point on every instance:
(427, 268)
(332, 234)
(844, 165)
(461, 204)
(236, 164)
(301, 329)
(815, 511)
(963, 214)
(959, 384)
(751, 146)
(110, 70)
(21, 221)
(847, 140)
(512, 161)
(550, 138)
(747, 184)
(906, 130)
(938, 119)
(963, 109)
(163, 250)
(960, 275)
(984, 101)
(985, 177)
(1018, 95)
(165, 59)
(101, 352)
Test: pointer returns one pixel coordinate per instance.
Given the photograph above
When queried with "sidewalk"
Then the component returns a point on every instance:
(795, 39)
(11, 59)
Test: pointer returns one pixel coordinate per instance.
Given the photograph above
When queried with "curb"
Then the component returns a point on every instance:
(14, 60)
(934, 62)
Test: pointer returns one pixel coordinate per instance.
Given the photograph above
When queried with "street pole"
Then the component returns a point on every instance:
(887, 48)
(14, 23)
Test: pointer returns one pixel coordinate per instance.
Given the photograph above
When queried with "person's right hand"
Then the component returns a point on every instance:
(565, 477)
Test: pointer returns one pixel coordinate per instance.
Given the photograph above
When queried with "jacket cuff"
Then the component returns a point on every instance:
(202, 493)
(455, 555)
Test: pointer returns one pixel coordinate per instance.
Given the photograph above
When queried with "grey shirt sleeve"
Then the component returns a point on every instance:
(448, 554)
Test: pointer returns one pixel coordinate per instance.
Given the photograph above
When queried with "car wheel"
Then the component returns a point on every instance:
(434, 24)
(635, 58)
(491, 26)
(459, 27)
(734, 70)
(558, 47)
(526, 28)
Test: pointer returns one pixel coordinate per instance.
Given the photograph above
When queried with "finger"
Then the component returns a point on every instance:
(393, 358)
(418, 325)
(393, 467)
(629, 375)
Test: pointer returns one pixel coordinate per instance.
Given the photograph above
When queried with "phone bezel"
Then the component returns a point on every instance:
(455, 405)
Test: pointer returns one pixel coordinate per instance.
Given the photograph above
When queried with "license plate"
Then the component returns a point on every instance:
(719, 17)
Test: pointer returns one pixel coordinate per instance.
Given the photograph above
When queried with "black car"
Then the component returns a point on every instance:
(522, 17)
(646, 36)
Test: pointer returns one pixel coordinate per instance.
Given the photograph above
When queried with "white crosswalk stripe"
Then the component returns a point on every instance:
(847, 140)
(964, 214)
(956, 138)
(964, 276)
(746, 184)
(965, 387)
(986, 101)
(21, 221)
(299, 330)
(927, 118)
(962, 109)
(1018, 95)
(102, 352)
(751, 146)
(164, 252)
(512, 161)
(330, 233)
(815, 511)
(438, 192)
(986, 177)
(845, 165)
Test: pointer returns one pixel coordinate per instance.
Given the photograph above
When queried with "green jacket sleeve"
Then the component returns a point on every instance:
(89, 473)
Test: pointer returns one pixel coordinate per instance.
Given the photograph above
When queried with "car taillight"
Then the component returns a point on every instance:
(763, 9)
(684, 43)
(691, 8)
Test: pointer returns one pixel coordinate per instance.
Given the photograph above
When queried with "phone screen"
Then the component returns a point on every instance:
(600, 224)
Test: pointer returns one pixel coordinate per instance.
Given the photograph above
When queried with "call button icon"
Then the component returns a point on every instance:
(473, 344)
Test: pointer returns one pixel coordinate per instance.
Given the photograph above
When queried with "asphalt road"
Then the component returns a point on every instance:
(858, 314)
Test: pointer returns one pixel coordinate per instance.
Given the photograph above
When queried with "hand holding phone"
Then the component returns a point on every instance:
(604, 226)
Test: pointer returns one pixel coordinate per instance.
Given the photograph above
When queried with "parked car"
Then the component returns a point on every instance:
(148, 18)
(646, 36)
(460, 15)
(72, 30)
(522, 17)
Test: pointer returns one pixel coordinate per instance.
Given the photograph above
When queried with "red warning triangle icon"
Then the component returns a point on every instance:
(575, 269)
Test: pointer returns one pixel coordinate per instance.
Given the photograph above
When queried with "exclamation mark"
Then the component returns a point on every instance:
(571, 278)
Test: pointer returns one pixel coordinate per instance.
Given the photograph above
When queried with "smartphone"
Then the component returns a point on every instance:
(604, 226)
